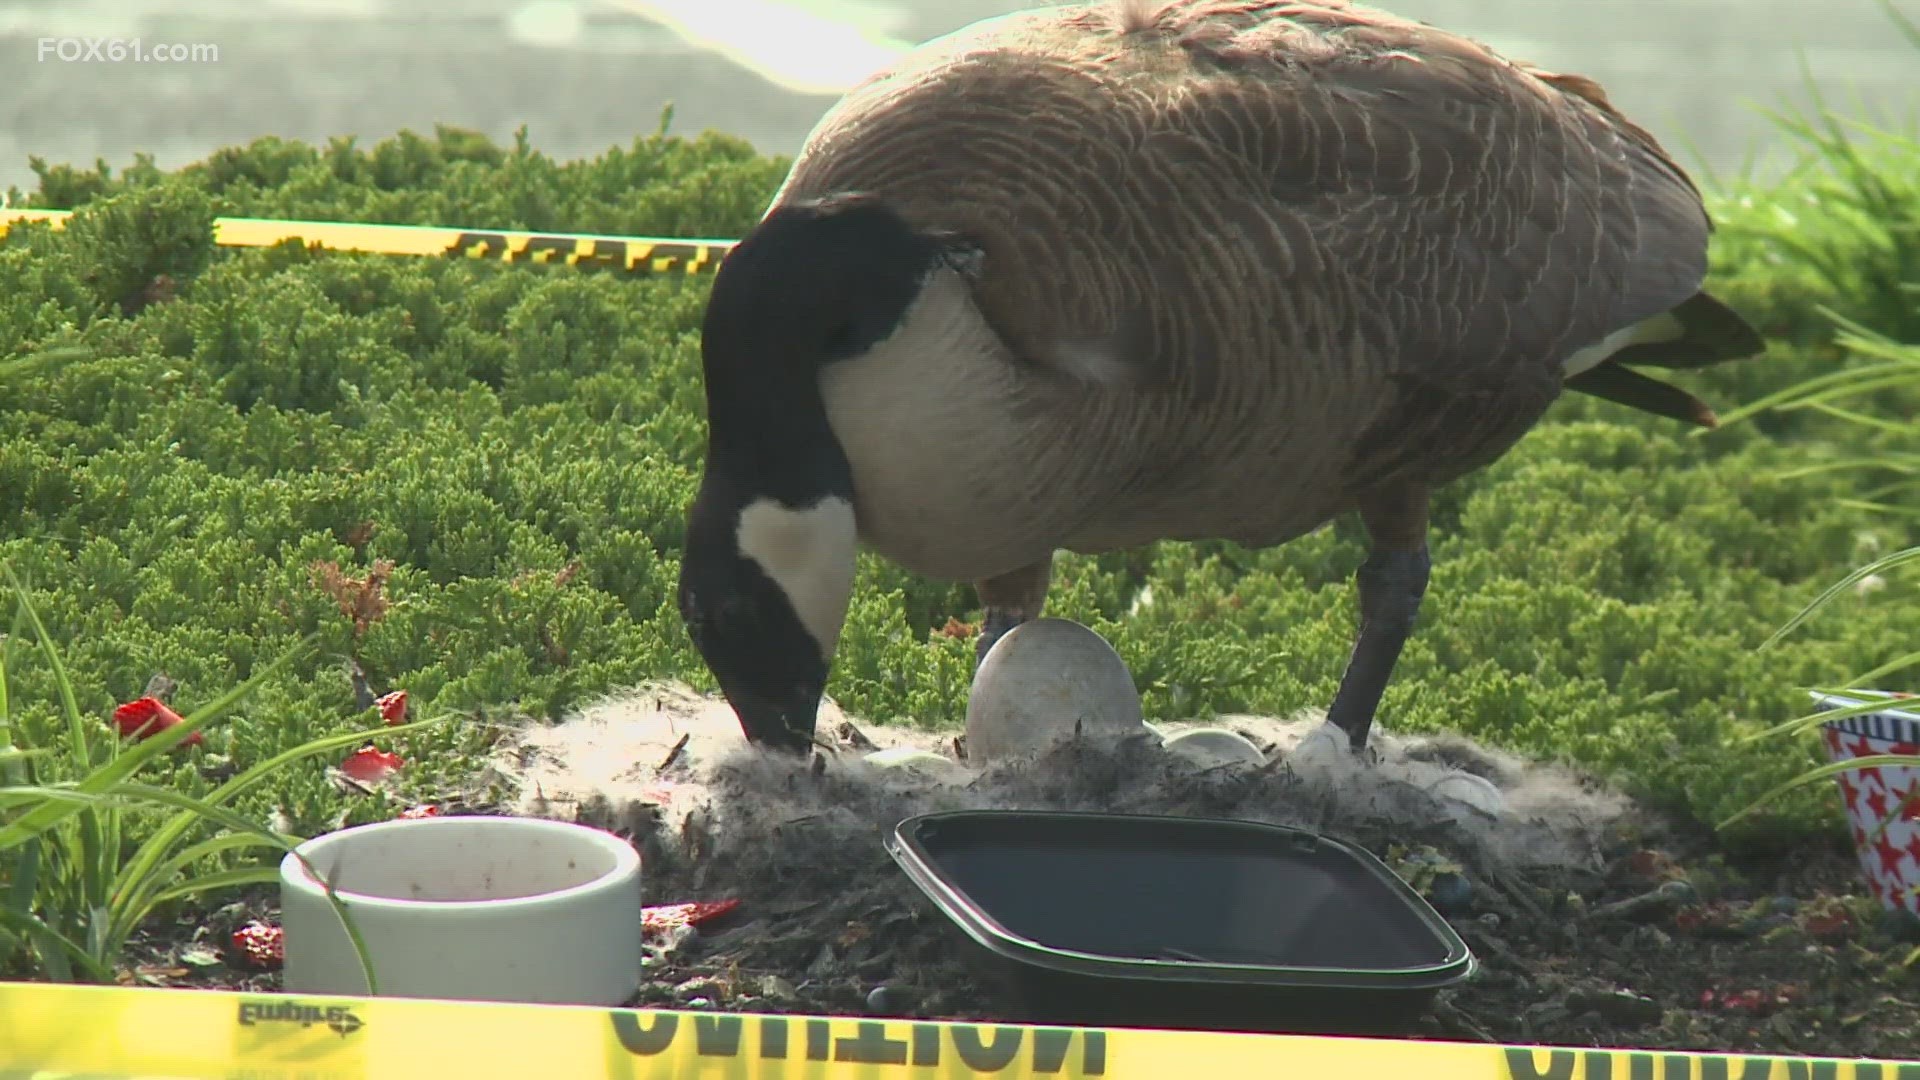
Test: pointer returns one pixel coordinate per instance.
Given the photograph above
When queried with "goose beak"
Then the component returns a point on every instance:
(777, 722)
(764, 588)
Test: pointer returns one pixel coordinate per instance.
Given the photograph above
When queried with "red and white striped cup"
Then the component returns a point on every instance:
(1882, 801)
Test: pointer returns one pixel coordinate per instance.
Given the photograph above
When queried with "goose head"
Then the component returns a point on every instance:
(768, 565)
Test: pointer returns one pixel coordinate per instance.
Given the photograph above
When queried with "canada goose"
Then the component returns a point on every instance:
(1092, 276)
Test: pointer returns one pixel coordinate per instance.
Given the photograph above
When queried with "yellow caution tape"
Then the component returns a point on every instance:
(49, 1031)
(633, 254)
(58, 1032)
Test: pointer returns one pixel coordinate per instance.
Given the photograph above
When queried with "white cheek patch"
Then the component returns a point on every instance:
(809, 552)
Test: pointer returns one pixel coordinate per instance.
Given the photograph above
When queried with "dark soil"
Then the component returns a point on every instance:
(1671, 947)
(1766, 958)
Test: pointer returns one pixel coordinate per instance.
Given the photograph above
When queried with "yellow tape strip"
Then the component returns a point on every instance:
(70, 1031)
(633, 254)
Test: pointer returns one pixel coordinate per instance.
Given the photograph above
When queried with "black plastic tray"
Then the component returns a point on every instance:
(1129, 921)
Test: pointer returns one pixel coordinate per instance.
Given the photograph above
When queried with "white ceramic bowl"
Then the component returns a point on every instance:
(468, 908)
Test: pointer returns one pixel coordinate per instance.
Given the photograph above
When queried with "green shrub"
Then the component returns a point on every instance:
(521, 442)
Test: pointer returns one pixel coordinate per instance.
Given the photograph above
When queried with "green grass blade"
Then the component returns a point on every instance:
(1800, 724)
(1888, 668)
(1806, 388)
(141, 866)
(231, 820)
(6, 709)
(98, 943)
(217, 880)
(133, 899)
(127, 909)
(1878, 507)
(131, 760)
(1862, 419)
(97, 832)
(1898, 558)
(1862, 342)
(14, 367)
(150, 793)
(1822, 772)
(35, 794)
(6, 650)
(63, 685)
(1909, 28)
(1905, 464)
(60, 954)
(25, 889)
(1855, 388)
(1890, 487)
(223, 844)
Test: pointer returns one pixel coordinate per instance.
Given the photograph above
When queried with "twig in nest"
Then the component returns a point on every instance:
(673, 755)
(854, 737)
(559, 654)
(363, 695)
(160, 687)
(1452, 1015)
(1656, 902)
(1502, 890)
(347, 785)
(695, 836)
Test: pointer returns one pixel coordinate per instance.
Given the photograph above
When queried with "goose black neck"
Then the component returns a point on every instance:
(813, 284)
(771, 438)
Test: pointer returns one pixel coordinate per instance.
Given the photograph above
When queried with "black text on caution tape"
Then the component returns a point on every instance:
(1522, 1064)
(338, 1018)
(975, 1048)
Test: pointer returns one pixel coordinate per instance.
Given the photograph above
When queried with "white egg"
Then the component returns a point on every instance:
(1213, 746)
(919, 762)
(1477, 793)
(1042, 681)
(1325, 747)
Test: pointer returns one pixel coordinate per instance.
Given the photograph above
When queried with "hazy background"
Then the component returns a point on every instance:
(585, 74)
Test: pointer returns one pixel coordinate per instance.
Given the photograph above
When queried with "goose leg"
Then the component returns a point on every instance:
(1010, 599)
(1391, 584)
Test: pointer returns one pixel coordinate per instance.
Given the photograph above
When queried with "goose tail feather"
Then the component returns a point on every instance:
(1701, 332)
(1710, 333)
